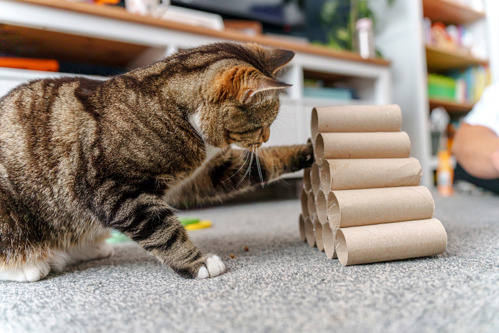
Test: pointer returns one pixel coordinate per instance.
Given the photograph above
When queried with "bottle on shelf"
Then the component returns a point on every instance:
(365, 40)
(445, 173)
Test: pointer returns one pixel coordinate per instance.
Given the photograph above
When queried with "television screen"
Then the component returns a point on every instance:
(278, 13)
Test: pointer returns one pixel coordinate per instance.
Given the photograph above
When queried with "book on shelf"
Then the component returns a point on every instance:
(459, 86)
(48, 65)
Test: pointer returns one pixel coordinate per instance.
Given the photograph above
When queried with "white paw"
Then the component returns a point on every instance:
(27, 273)
(91, 252)
(103, 250)
(212, 267)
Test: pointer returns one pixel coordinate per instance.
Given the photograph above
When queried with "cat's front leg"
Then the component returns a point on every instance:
(236, 170)
(150, 222)
(280, 160)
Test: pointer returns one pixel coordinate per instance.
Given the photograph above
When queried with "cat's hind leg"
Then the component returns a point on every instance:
(92, 249)
(28, 272)
(20, 260)
(97, 248)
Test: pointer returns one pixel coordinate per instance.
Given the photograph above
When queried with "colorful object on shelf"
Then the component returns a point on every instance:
(48, 65)
(326, 92)
(453, 38)
(441, 87)
(459, 86)
(445, 174)
(471, 83)
(107, 2)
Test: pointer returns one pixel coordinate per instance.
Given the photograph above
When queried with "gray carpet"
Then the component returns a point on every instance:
(279, 285)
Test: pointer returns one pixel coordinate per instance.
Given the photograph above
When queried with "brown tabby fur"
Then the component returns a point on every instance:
(78, 156)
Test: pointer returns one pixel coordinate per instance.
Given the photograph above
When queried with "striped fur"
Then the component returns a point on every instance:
(78, 156)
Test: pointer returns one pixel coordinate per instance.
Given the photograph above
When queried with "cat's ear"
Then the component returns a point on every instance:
(242, 82)
(259, 84)
(272, 59)
(277, 59)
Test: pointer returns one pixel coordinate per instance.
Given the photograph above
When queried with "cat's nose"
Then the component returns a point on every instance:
(266, 133)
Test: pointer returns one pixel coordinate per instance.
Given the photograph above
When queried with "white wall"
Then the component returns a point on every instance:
(399, 37)
(492, 12)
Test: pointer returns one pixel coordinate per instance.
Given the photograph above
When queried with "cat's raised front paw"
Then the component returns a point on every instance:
(305, 157)
(211, 268)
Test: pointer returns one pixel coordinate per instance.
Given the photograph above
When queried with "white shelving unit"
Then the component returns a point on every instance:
(92, 29)
(400, 39)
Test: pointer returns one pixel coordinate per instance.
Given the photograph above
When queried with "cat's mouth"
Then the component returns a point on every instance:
(239, 140)
(248, 139)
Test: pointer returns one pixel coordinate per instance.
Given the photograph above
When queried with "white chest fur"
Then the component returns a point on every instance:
(209, 149)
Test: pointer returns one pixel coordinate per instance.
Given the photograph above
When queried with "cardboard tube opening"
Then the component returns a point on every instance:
(333, 211)
(304, 202)
(328, 241)
(318, 236)
(312, 211)
(315, 177)
(326, 176)
(319, 149)
(341, 247)
(306, 179)
(309, 232)
(301, 227)
(321, 206)
(314, 124)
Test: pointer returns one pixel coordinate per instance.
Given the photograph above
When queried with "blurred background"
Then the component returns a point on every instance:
(432, 57)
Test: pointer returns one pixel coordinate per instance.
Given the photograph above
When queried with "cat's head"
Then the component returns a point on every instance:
(241, 95)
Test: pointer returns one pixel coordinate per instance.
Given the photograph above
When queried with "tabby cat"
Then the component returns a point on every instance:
(81, 156)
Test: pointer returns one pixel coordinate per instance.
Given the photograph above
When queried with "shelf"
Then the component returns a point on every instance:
(438, 60)
(121, 15)
(317, 101)
(38, 43)
(450, 12)
(451, 107)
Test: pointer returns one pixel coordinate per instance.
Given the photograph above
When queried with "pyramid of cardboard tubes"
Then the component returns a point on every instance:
(361, 199)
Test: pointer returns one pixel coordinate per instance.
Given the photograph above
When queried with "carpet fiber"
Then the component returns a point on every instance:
(278, 285)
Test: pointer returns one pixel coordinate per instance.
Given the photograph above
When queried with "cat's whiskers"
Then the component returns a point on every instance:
(245, 155)
(247, 171)
(255, 149)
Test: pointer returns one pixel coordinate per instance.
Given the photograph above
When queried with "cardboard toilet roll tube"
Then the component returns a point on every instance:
(349, 208)
(361, 145)
(306, 179)
(301, 227)
(321, 206)
(304, 202)
(391, 241)
(345, 174)
(318, 234)
(312, 211)
(309, 232)
(356, 118)
(315, 177)
(329, 241)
